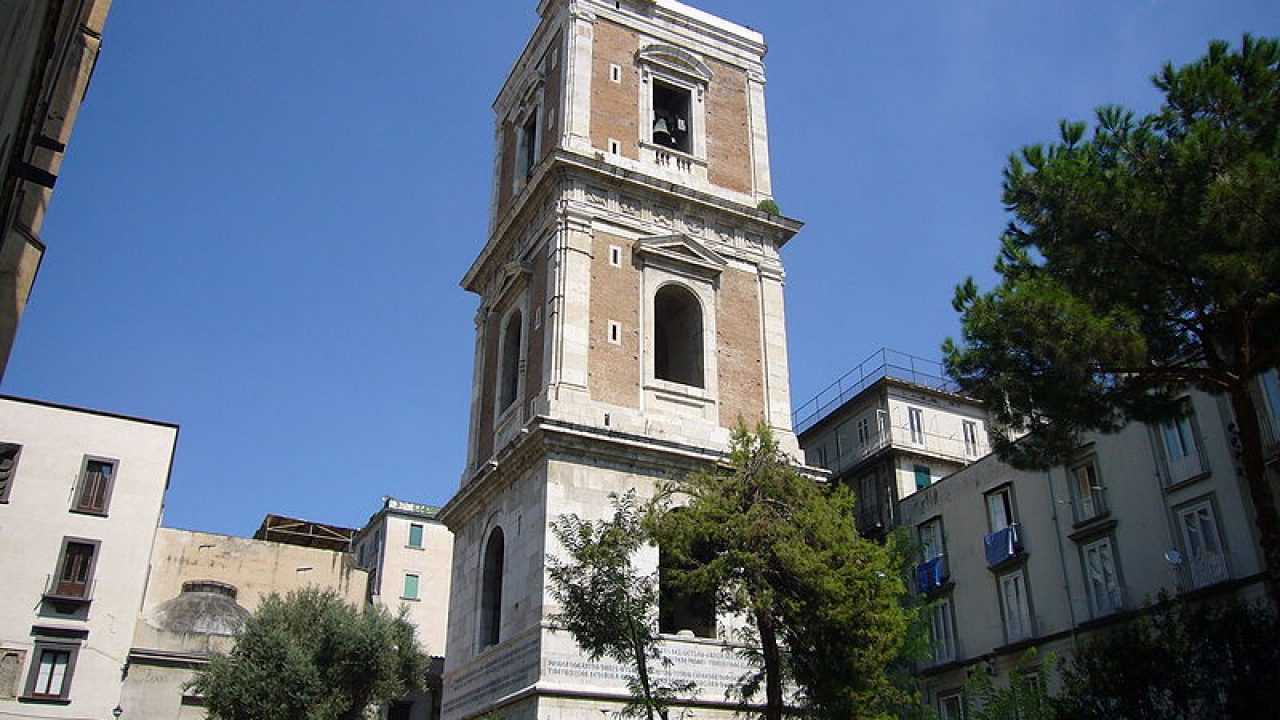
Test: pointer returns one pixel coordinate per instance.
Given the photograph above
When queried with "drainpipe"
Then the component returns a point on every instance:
(1062, 560)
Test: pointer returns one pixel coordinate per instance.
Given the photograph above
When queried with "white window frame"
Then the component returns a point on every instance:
(933, 543)
(615, 332)
(1102, 577)
(915, 422)
(944, 699)
(1015, 606)
(615, 73)
(942, 631)
(1206, 556)
(1005, 508)
(1087, 491)
(969, 429)
(615, 255)
(1181, 446)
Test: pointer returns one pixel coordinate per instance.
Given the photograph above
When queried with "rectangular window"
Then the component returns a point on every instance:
(1103, 582)
(11, 663)
(615, 333)
(537, 317)
(615, 255)
(615, 147)
(415, 535)
(410, 587)
(671, 117)
(52, 667)
(1086, 491)
(942, 638)
(1000, 509)
(931, 540)
(970, 429)
(615, 73)
(529, 146)
(93, 492)
(923, 475)
(1181, 441)
(9, 454)
(916, 418)
(951, 706)
(1206, 559)
(864, 432)
(1015, 606)
(74, 575)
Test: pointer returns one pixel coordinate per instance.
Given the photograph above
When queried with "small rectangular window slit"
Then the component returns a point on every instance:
(615, 73)
(615, 256)
(615, 147)
(615, 333)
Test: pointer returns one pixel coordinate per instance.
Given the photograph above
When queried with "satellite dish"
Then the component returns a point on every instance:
(1173, 557)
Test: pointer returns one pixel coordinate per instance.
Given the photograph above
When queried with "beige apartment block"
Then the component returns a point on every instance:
(1016, 560)
(630, 313)
(200, 590)
(891, 426)
(81, 496)
(47, 58)
(408, 553)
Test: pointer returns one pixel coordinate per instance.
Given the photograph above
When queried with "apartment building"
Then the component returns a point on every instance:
(408, 554)
(81, 498)
(888, 428)
(47, 56)
(1014, 560)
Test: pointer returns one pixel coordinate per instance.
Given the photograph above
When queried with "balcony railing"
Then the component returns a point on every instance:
(1208, 569)
(883, 363)
(56, 590)
(932, 575)
(1003, 546)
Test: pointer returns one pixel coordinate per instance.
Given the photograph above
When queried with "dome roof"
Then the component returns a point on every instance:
(204, 607)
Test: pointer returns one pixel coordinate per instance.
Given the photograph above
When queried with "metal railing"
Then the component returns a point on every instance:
(884, 363)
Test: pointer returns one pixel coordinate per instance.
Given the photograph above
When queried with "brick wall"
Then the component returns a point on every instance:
(551, 100)
(615, 106)
(613, 371)
(728, 128)
(739, 354)
(507, 169)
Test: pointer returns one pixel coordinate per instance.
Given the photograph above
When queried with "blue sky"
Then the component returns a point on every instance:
(267, 206)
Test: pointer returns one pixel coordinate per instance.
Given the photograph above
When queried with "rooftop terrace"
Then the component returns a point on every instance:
(883, 363)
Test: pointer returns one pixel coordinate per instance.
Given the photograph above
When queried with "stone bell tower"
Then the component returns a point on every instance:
(631, 311)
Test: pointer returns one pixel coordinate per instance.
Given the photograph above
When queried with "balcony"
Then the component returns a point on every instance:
(1004, 547)
(883, 363)
(932, 576)
(1208, 569)
(67, 596)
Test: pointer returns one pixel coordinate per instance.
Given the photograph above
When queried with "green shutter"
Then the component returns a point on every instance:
(415, 536)
(922, 477)
(411, 587)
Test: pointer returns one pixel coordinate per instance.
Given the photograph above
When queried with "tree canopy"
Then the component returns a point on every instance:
(311, 655)
(1142, 259)
(825, 605)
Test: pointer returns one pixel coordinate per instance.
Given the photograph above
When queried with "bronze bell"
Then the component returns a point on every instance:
(661, 132)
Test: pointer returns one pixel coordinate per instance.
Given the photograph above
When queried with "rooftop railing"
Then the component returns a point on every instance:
(883, 363)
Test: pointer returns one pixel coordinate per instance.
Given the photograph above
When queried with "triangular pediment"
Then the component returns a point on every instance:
(681, 248)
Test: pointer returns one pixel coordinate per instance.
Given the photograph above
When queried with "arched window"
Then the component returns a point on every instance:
(679, 610)
(510, 374)
(677, 336)
(491, 590)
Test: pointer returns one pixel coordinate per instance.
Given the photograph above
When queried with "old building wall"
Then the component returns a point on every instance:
(728, 128)
(738, 344)
(431, 562)
(614, 368)
(506, 167)
(537, 327)
(615, 112)
(552, 95)
(256, 568)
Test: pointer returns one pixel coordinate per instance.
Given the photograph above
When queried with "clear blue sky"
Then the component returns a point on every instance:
(267, 206)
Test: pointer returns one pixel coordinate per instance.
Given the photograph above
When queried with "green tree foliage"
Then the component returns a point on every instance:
(608, 605)
(1179, 663)
(311, 655)
(1139, 261)
(785, 554)
(1024, 697)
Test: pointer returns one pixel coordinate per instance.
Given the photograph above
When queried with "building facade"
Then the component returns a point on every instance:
(81, 496)
(408, 554)
(47, 57)
(891, 426)
(201, 587)
(631, 312)
(1015, 560)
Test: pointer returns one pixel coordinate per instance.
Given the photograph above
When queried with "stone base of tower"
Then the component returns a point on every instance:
(554, 470)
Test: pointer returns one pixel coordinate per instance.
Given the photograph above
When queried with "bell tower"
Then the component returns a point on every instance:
(630, 312)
